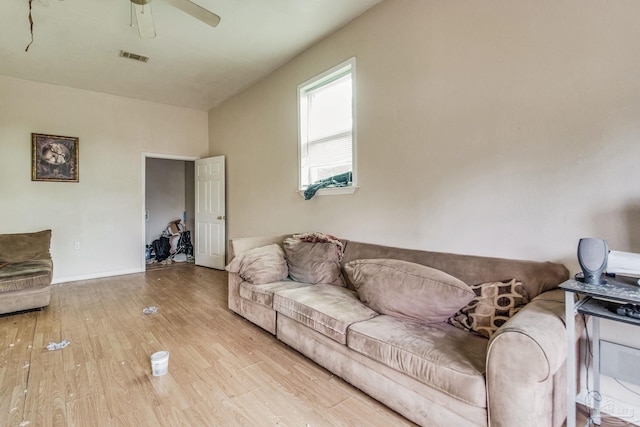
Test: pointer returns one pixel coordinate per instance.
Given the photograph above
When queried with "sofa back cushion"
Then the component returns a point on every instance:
(22, 247)
(261, 265)
(536, 277)
(313, 262)
(408, 290)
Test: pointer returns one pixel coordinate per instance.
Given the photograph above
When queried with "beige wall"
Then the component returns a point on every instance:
(500, 128)
(104, 211)
(489, 127)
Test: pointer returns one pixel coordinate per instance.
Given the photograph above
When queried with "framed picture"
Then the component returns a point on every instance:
(54, 158)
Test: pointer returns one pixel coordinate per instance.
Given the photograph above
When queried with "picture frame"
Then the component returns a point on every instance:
(54, 158)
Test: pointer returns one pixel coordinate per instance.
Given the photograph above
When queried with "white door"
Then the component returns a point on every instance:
(210, 248)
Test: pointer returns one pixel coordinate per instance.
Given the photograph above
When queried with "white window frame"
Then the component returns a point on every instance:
(318, 80)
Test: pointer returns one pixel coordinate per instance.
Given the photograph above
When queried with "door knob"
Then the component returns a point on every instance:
(222, 217)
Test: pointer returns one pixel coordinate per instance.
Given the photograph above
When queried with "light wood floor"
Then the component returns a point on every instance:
(223, 371)
(607, 421)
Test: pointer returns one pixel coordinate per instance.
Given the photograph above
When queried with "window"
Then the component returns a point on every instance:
(326, 128)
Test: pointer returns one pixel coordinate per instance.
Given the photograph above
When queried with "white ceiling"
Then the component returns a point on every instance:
(77, 44)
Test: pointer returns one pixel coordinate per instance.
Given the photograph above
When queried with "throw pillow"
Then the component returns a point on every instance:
(261, 265)
(408, 290)
(317, 237)
(493, 305)
(313, 262)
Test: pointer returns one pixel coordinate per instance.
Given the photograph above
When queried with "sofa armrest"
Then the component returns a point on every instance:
(234, 292)
(523, 357)
(238, 246)
(243, 244)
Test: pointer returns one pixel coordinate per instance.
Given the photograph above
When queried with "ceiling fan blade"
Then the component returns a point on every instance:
(144, 20)
(196, 11)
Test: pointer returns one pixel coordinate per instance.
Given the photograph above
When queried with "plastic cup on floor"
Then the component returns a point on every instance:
(159, 363)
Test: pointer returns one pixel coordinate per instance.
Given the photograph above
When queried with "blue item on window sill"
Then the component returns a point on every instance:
(341, 180)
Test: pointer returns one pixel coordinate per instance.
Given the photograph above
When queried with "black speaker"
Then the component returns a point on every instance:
(592, 256)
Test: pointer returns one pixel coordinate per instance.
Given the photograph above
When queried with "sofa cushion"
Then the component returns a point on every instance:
(25, 246)
(324, 308)
(263, 294)
(261, 265)
(408, 290)
(313, 262)
(17, 276)
(493, 305)
(438, 355)
(537, 277)
(317, 237)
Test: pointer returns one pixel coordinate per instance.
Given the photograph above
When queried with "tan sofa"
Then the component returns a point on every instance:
(26, 270)
(433, 374)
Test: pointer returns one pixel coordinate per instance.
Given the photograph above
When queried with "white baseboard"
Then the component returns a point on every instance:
(613, 407)
(100, 275)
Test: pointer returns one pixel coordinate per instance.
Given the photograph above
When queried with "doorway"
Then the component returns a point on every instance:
(168, 196)
(200, 203)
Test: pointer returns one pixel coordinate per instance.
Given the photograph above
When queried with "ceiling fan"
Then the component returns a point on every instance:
(144, 19)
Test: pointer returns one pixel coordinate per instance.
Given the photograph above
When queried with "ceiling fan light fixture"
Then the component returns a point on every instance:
(144, 18)
(197, 11)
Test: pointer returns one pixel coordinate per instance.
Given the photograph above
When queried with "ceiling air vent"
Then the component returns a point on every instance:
(134, 56)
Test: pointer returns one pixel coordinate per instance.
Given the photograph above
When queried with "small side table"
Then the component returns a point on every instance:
(597, 302)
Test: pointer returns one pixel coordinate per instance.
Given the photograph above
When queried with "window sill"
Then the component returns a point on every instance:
(333, 191)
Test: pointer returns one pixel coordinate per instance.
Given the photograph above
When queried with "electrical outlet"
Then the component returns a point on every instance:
(76, 246)
(146, 215)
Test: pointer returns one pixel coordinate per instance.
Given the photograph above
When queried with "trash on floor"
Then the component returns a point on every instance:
(58, 345)
(159, 363)
(150, 310)
(180, 258)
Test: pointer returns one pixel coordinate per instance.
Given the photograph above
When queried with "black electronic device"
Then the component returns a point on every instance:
(630, 310)
(592, 256)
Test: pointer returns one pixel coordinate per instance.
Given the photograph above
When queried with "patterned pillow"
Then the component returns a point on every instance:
(494, 304)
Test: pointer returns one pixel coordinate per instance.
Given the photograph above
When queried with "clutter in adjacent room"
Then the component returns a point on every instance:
(174, 245)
